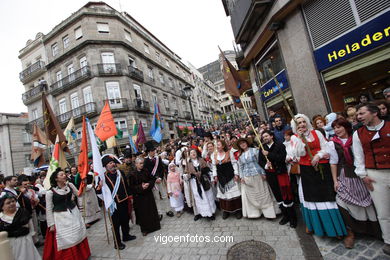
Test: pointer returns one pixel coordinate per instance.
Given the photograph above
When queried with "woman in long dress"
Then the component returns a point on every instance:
(66, 237)
(203, 197)
(88, 200)
(225, 173)
(256, 195)
(17, 223)
(141, 184)
(353, 198)
(174, 187)
(316, 193)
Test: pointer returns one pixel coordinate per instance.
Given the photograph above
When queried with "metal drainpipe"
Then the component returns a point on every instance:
(12, 161)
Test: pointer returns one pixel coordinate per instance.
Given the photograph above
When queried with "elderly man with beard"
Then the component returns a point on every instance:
(120, 191)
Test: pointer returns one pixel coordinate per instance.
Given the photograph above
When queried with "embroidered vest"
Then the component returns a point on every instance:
(62, 202)
(315, 147)
(376, 152)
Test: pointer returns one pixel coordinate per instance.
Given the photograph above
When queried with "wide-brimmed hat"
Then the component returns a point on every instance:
(107, 158)
(247, 140)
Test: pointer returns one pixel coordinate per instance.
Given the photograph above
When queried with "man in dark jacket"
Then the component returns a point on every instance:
(120, 216)
(155, 167)
(277, 176)
(280, 128)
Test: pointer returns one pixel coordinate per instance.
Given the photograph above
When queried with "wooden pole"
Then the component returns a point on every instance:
(105, 223)
(114, 234)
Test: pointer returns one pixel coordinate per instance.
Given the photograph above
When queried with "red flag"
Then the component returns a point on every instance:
(105, 127)
(141, 139)
(83, 158)
(52, 127)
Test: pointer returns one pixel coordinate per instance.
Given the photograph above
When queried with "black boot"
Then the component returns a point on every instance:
(285, 218)
(225, 215)
(292, 216)
(238, 214)
(197, 217)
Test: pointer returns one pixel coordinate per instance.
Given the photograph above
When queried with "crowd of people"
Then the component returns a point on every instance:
(334, 169)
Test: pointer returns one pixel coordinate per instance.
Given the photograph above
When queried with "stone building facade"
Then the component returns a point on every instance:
(100, 54)
(15, 144)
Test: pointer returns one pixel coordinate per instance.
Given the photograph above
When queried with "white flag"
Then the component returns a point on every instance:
(98, 167)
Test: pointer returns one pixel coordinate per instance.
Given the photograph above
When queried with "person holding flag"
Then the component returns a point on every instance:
(115, 181)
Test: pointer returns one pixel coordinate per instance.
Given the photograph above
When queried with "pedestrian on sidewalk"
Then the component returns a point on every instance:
(371, 150)
(316, 190)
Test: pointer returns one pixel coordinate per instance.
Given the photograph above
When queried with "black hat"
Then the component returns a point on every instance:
(107, 158)
(149, 146)
(209, 135)
(127, 153)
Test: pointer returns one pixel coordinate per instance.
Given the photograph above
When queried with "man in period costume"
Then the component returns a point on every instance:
(154, 165)
(120, 216)
(277, 176)
(371, 150)
(127, 166)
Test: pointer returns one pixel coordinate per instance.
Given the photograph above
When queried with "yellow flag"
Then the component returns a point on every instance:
(111, 142)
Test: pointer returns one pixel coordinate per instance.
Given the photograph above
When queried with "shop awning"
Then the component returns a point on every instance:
(278, 99)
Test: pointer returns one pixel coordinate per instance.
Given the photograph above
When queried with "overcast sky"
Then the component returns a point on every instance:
(192, 29)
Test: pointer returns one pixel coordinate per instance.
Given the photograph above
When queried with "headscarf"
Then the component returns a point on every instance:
(294, 125)
(328, 128)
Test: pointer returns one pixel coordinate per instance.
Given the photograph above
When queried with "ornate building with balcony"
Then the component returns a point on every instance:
(99, 54)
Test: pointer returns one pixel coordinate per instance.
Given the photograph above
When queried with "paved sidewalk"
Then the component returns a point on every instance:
(282, 238)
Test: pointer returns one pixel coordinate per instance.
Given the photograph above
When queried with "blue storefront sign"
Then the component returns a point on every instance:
(366, 37)
(269, 89)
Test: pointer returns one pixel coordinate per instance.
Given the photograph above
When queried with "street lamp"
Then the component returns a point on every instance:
(188, 92)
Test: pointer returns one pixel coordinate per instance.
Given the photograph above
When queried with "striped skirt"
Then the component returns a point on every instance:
(322, 218)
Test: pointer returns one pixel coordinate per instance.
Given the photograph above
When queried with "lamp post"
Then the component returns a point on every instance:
(188, 93)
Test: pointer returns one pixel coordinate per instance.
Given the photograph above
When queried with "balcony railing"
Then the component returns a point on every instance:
(32, 70)
(187, 115)
(88, 109)
(109, 69)
(71, 80)
(136, 73)
(118, 104)
(141, 105)
(34, 93)
(30, 125)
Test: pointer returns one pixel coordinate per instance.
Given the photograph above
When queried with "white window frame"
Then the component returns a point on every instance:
(137, 92)
(114, 101)
(132, 62)
(59, 78)
(144, 122)
(150, 72)
(78, 33)
(128, 36)
(62, 106)
(66, 41)
(146, 48)
(102, 27)
(87, 95)
(167, 63)
(121, 123)
(34, 113)
(54, 49)
(158, 56)
(161, 76)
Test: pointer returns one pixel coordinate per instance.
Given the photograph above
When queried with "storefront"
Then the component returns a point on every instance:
(269, 91)
(358, 62)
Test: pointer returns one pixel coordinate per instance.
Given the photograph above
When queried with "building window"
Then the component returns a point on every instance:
(78, 33)
(144, 122)
(170, 82)
(177, 69)
(65, 41)
(161, 78)
(62, 105)
(132, 62)
(26, 137)
(128, 36)
(88, 98)
(146, 48)
(54, 49)
(137, 92)
(27, 160)
(121, 124)
(166, 103)
(272, 59)
(150, 72)
(167, 63)
(103, 28)
(154, 98)
(34, 113)
(158, 57)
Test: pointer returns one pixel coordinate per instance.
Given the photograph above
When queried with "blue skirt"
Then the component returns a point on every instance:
(322, 218)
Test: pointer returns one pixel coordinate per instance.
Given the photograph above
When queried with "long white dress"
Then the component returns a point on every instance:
(90, 202)
(22, 247)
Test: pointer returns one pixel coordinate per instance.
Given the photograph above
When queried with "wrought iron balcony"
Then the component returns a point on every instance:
(88, 109)
(109, 69)
(118, 104)
(71, 80)
(141, 105)
(34, 93)
(31, 71)
(30, 125)
(150, 80)
(187, 115)
(136, 73)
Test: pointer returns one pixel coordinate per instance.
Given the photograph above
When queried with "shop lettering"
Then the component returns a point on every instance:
(366, 41)
(272, 90)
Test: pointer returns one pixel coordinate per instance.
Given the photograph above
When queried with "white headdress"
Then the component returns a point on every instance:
(294, 125)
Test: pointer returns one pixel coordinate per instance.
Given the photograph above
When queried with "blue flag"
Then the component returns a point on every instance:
(155, 129)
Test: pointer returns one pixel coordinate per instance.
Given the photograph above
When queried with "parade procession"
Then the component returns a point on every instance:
(277, 149)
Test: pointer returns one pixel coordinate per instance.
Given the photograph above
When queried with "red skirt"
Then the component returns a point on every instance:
(284, 185)
(80, 251)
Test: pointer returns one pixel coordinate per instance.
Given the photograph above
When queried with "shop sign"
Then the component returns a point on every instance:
(269, 89)
(364, 38)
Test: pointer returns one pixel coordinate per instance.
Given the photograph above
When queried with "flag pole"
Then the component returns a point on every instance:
(105, 223)
(293, 118)
(114, 234)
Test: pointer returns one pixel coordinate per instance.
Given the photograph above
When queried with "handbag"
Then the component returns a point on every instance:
(295, 169)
